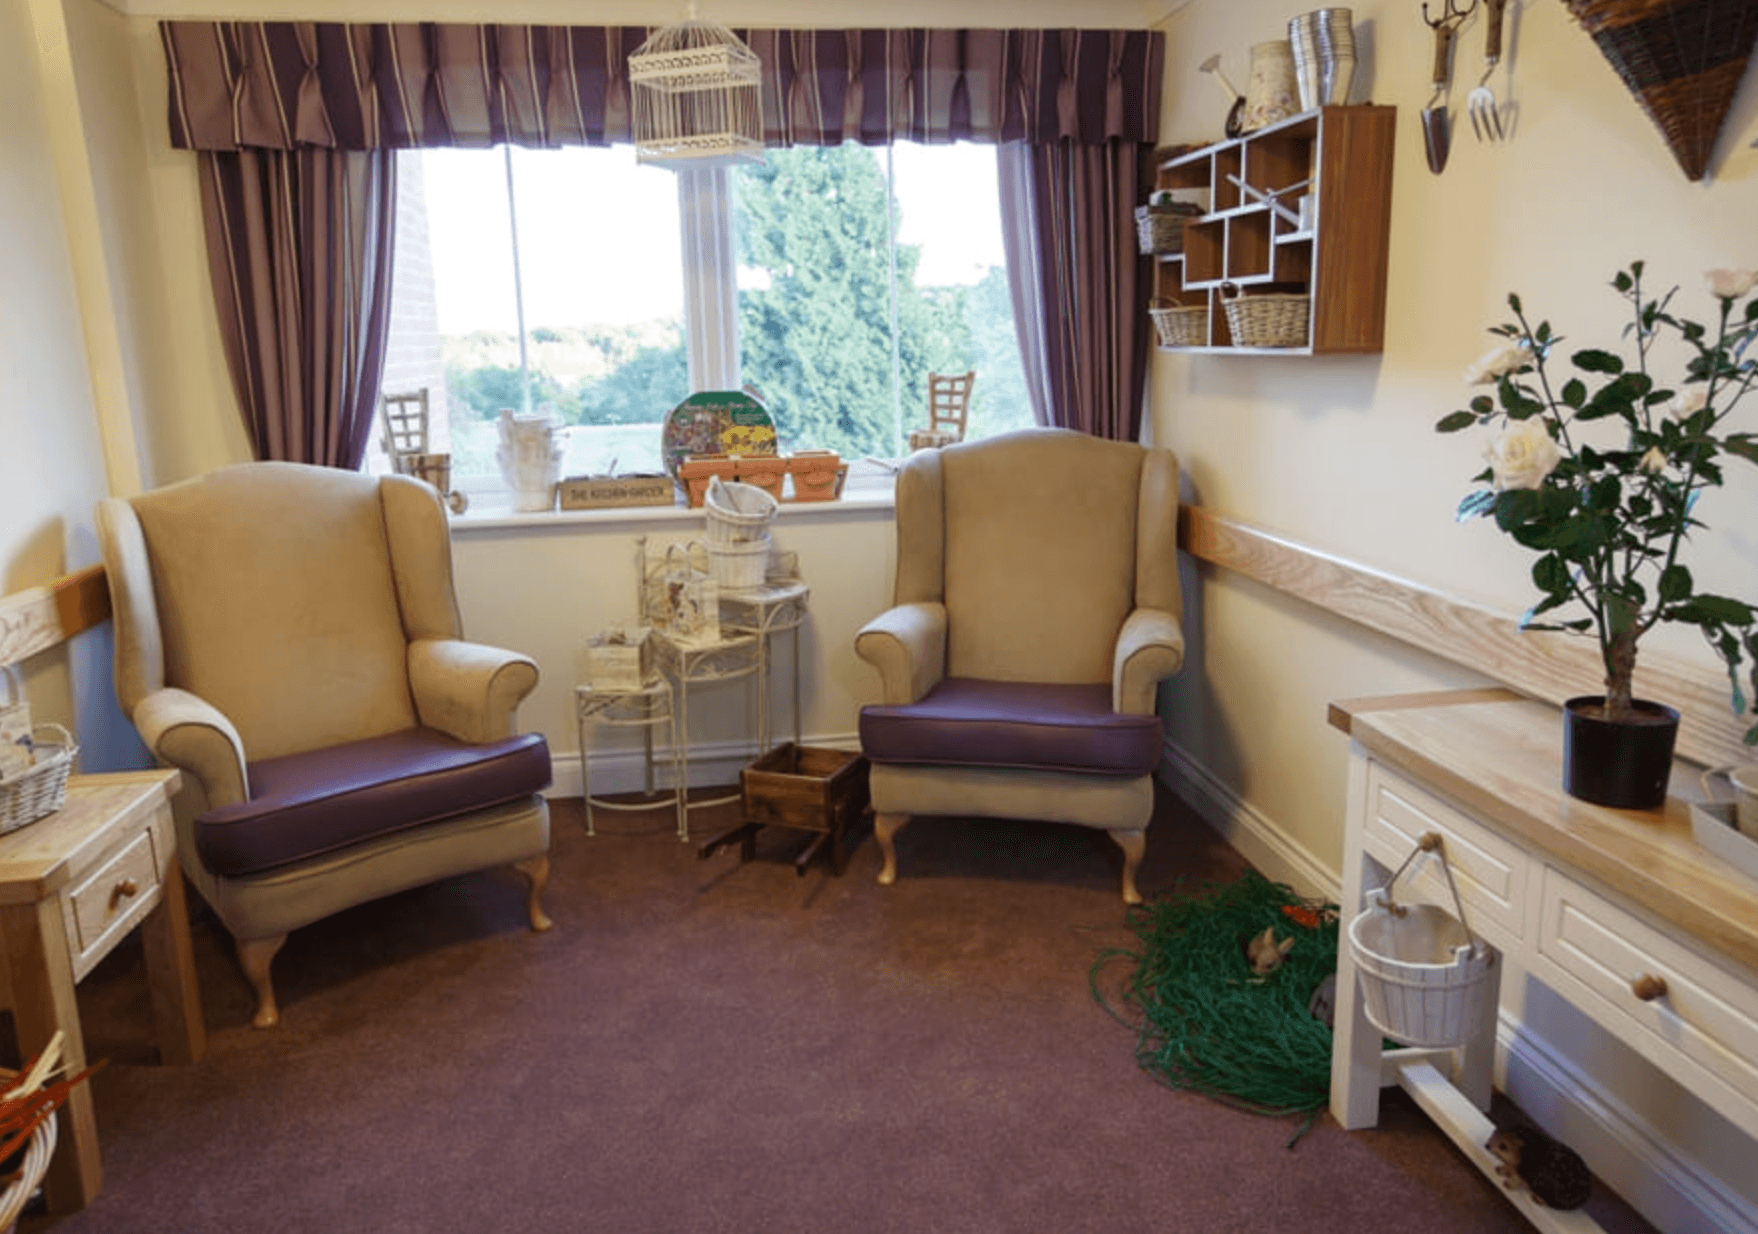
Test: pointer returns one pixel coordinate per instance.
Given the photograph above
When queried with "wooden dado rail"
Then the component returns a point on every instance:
(38, 618)
(1539, 664)
(1542, 665)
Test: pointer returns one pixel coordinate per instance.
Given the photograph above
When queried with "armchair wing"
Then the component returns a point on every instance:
(907, 644)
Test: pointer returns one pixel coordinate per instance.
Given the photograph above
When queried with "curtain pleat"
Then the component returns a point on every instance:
(299, 250)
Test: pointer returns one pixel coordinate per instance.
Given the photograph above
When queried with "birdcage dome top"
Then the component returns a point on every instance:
(694, 55)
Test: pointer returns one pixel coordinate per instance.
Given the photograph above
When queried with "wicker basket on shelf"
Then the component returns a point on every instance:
(1160, 229)
(1273, 319)
(1180, 325)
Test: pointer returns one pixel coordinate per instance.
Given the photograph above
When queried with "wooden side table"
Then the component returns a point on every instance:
(72, 885)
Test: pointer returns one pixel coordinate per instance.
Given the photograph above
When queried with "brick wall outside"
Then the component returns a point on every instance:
(412, 352)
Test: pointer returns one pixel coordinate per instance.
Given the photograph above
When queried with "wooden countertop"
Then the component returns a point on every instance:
(1500, 755)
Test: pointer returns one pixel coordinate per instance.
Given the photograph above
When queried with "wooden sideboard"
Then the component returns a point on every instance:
(1620, 912)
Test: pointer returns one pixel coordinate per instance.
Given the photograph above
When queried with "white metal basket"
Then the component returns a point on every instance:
(740, 567)
(737, 513)
(1423, 974)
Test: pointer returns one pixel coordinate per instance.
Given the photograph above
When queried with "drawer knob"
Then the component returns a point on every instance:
(1648, 987)
(123, 890)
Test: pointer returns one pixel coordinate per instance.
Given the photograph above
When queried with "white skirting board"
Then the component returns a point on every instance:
(1671, 1190)
(711, 763)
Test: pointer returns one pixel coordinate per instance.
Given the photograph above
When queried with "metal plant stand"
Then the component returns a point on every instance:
(647, 708)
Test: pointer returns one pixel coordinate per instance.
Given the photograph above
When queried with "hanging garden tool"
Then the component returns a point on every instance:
(1436, 135)
(1486, 117)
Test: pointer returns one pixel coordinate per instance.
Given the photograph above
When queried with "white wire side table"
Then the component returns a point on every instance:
(647, 708)
(777, 607)
(734, 656)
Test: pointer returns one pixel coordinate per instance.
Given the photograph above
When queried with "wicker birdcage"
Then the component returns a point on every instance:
(696, 92)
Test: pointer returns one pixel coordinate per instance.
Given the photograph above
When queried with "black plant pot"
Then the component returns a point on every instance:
(1622, 764)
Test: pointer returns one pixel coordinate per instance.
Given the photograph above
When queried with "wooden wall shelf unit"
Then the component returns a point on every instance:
(1339, 261)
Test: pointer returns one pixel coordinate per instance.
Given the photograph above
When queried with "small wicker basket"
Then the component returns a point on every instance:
(37, 1152)
(1180, 325)
(1268, 320)
(40, 789)
(1160, 229)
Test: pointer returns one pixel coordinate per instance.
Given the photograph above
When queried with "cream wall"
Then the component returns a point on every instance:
(1340, 453)
(52, 468)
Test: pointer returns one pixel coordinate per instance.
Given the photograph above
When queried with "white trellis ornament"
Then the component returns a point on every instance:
(696, 91)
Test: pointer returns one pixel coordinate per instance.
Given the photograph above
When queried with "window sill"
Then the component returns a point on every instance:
(491, 515)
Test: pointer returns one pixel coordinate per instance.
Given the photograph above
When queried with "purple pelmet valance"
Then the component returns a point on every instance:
(288, 85)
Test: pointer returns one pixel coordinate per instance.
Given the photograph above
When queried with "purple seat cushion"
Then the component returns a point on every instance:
(965, 722)
(304, 805)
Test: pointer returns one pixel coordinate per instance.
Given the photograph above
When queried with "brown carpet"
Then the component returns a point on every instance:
(709, 1046)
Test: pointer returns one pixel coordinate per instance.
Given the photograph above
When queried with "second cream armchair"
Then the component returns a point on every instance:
(1036, 610)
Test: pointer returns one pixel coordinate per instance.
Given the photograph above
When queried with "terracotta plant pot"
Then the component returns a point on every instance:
(1622, 764)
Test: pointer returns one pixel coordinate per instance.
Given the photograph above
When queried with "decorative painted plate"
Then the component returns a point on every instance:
(716, 422)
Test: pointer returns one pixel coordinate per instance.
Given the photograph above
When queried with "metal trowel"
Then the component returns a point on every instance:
(1437, 138)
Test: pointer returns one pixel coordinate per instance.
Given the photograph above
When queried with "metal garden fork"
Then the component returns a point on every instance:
(1486, 119)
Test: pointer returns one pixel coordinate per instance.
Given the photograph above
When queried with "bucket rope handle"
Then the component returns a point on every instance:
(1430, 842)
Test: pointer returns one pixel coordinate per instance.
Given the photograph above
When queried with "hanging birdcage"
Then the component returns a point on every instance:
(696, 94)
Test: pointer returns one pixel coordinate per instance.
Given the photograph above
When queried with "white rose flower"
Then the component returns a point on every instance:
(1689, 401)
(1730, 284)
(1493, 365)
(1654, 462)
(1522, 455)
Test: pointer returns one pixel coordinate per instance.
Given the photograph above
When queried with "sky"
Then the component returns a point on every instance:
(596, 254)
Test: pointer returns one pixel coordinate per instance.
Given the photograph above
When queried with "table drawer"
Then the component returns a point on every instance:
(1491, 871)
(112, 898)
(1707, 1015)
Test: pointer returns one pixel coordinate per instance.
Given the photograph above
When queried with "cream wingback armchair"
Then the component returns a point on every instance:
(1036, 609)
(288, 637)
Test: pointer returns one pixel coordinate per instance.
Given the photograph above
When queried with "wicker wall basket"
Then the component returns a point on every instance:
(1160, 229)
(1180, 325)
(1269, 320)
(1682, 59)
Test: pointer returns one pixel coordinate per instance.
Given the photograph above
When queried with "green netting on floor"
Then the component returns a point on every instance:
(1204, 1020)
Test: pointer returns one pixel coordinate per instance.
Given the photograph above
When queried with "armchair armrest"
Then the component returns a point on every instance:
(190, 733)
(467, 690)
(907, 644)
(1150, 648)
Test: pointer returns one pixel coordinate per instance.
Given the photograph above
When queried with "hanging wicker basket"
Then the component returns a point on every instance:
(1423, 974)
(1271, 319)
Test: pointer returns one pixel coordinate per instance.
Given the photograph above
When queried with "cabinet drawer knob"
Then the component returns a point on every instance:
(123, 890)
(1648, 987)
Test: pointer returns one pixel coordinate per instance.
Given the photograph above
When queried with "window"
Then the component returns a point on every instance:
(581, 282)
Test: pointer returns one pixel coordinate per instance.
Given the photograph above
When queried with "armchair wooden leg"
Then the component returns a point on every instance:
(1133, 843)
(885, 829)
(254, 954)
(536, 869)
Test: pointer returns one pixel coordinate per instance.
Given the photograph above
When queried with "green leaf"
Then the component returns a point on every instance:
(1455, 421)
(1742, 444)
(1514, 302)
(1551, 576)
(1516, 402)
(1574, 392)
(1593, 360)
(1515, 507)
(1603, 494)
(1675, 583)
(1712, 611)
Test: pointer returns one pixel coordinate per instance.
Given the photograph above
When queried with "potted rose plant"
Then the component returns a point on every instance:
(1598, 472)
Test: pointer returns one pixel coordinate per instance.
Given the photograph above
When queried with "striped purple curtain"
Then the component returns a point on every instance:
(282, 85)
(299, 250)
(1079, 286)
